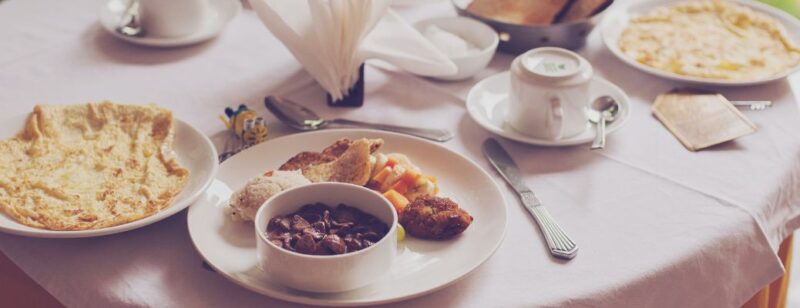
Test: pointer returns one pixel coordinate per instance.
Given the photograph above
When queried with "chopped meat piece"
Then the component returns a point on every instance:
(306, 244)
(280, 224)
(299, 223)
(334, 243)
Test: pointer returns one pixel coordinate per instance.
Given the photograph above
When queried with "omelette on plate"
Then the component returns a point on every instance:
(90, 166)
(711, 39)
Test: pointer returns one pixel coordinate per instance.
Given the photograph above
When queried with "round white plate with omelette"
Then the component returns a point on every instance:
(421, 267)
(618, 19)
(194, 151)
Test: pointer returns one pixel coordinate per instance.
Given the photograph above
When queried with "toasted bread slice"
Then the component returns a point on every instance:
(530, 12)
(583, 9)
(353, 166)
(307, 159)
(340, 146)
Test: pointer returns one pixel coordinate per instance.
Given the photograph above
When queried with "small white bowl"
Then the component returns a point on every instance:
(473, 31)
(327, 274)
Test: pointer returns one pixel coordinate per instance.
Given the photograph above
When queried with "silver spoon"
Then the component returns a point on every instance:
(603, 110)
(129, 22)
(302, 118)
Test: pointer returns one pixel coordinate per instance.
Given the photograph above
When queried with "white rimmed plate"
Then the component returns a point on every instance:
(220, 13)
(195, 152)
(615, 22)
(421, 266)
(487, 104)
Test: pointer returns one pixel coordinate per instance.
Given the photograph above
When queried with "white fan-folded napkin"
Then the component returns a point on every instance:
(332, 38)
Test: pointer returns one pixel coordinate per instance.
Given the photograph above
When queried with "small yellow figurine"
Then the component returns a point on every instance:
(245, 124)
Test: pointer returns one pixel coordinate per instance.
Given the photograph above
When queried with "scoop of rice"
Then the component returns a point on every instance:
(246, 202)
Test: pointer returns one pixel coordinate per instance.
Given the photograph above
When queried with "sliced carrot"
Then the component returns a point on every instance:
(397, 199)
(380, 177)
(391, 162)
(400, 187)
(410, 177)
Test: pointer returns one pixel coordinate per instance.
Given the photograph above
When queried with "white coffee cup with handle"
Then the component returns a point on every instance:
(549, 93)
(172, 18)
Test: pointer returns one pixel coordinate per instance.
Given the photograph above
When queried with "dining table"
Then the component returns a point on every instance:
(657, 225)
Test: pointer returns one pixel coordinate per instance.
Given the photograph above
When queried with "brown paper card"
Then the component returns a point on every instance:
(700, 120)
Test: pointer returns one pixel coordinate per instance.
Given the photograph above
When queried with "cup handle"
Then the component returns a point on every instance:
(557, 116)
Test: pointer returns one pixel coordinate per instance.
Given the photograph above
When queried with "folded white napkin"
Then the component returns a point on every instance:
(332, 38)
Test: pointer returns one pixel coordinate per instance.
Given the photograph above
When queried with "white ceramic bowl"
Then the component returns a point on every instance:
(327, 274)
(473, 31)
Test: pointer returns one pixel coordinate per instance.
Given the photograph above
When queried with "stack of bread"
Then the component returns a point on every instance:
(537, 12)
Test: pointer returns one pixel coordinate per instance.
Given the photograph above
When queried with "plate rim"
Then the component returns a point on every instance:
(618, 15)
(169, 211)
(342, 303)
(472, 101)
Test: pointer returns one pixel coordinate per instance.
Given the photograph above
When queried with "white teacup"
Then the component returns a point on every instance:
(173, 18)
(549, 93)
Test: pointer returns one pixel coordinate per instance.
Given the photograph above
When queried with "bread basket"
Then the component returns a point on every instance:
(518, 38)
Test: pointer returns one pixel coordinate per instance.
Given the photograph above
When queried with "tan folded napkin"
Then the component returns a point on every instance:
(700, 119)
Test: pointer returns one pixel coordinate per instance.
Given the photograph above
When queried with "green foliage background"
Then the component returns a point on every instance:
(791, 6)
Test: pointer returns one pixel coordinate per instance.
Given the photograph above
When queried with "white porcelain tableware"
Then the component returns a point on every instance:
(219, 13)
(173, 18)
(487, 104)
(336, 273)
(549, 93)
(195, 152)
(618, 19)
(472, 31)
(421, 266)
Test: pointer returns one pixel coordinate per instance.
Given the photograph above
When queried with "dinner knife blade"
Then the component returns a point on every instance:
(560, 244)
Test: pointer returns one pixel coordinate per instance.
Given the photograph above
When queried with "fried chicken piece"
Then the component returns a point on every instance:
(435, 218)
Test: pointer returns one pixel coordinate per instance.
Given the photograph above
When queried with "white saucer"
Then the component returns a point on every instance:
(487, 104)
(221, 12)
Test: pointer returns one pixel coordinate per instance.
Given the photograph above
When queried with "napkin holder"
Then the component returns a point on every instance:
(354, 96)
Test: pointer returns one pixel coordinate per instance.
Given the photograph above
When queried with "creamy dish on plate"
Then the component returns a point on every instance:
(90, 166)
(710, 39)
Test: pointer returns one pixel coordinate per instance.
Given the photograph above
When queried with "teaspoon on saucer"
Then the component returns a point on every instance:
(302, 118)
(603, 110)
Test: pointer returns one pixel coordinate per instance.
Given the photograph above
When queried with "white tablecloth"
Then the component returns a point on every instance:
(658, 226)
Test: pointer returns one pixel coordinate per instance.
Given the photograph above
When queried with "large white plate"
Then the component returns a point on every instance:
(617, 20)
(487, 104)
(195, 152)
(421, 266)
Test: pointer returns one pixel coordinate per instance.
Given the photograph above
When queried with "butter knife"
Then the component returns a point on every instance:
(558, 241)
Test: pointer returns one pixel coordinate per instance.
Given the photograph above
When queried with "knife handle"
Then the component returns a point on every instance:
(560, 244)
